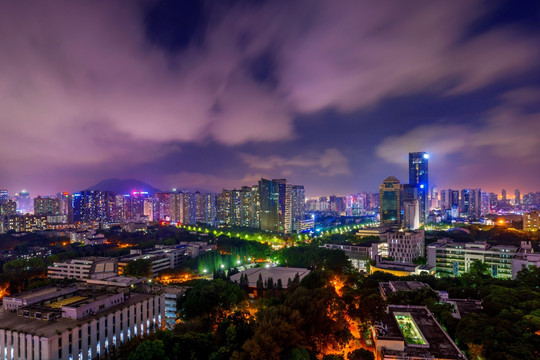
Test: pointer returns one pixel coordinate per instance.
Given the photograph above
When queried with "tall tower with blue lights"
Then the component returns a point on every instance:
(418, 176)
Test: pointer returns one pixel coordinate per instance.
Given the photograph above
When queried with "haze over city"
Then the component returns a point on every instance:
(332, 95)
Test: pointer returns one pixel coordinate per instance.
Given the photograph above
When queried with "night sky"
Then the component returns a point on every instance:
(329, 94)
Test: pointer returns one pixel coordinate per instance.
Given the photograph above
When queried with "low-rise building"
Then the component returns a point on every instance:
(162, 257)
(83, 268)
(524, 258)
(74, 322)
(412, 332)
(359, 255)
(278, 274)
(452, 258)
(400, 269)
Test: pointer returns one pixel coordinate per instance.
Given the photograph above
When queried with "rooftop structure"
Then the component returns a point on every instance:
(75, 322)
(83, 268)
(389, 287)
(411, 332)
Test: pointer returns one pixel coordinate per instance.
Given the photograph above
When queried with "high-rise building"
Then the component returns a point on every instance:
(46, 206)
(418, 176)
(269, 200)
(66, 205)
(435, 198)
(224, 214)
(189, 208)
(93, 205)
(390, 202)
(411, 214)
(199, 207)
(493, 202)
(8, 208)
(210, 209)
(356, 204)
(4, 197)
(485, 207)
(517, 197)
(23, 202)
(298, 197)
(503, 196)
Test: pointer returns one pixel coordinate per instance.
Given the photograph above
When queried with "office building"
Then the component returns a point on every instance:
(411, 214)
(418, 176)
(451, 258)
(162, 257)
(83, 268)
(390, 202)
(269, 202)
(471, 202)
(75, 322)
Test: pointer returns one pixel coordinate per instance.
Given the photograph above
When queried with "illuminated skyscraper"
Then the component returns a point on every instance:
(23, 202)
(93, 205)
(298, 196)
(390, 202)
(210, 209)
(269, 200)
(418, 176)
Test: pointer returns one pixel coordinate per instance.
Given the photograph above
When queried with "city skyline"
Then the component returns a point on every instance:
(216, 95)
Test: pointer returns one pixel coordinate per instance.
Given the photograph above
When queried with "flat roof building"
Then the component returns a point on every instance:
(83, 268)
(75, 322)
(411, 332)
(452, 258)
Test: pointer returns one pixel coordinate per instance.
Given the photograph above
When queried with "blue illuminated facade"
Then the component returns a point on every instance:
(418, 177)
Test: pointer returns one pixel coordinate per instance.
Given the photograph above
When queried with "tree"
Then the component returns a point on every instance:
(361, 354)
(206, 298)
(138, 268)
(298, 354)
(333, 357)
(149, 350)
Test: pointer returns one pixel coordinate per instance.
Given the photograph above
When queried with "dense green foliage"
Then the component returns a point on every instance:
(139, 268)
(313, 257)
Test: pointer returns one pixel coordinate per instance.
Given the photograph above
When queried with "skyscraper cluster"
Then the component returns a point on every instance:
(406, 205)
(271, 205)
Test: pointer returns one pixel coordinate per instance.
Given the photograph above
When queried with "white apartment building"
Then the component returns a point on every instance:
(74, 323)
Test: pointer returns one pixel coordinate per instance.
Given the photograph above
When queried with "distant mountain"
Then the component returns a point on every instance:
(123, 186)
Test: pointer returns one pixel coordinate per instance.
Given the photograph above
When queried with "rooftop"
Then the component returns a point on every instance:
(11, 321)
(422, 334)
